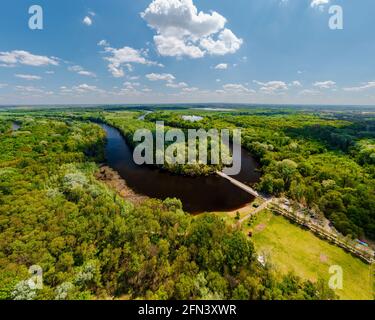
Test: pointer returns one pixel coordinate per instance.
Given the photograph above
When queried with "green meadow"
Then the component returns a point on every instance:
(291, 248)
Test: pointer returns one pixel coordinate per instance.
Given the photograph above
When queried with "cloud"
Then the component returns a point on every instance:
(27, 77)
(26, 58)
(86, 73)
(75, 68)
(295, 83)
(103, 43)
(81, 90)
(177, 85)
(324, 84)
(309, 92)
(272, 87)
(133, 78)
(167, 77)
(160, 77)
(191, 89)
(125, 57)
(85, 88)
(318, 3)
(3, 65)
(3, 85)
(174, 47)
(363, 87)
(183, 31)
(130, 88)
(79, 70)
(65, 89)
(31, 90)
(87, 21)
(131, 84)
(237, 88)
(226, 43)
(221, 66)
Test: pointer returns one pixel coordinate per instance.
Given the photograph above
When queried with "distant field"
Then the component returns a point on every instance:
(292, 248)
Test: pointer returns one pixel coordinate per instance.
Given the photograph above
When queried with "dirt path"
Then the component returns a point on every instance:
(260, 208)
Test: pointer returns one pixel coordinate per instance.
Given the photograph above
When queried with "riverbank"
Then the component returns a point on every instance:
(113, 180)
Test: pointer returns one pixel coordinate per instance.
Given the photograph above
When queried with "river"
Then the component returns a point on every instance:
(198, 194)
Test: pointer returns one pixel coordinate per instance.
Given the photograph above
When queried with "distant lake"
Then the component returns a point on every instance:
(192, 118)
(198, 194)
(15, 126)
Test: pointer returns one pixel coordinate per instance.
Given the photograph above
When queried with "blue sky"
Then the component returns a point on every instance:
(126, 51)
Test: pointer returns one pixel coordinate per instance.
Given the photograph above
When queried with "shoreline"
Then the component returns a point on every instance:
(113, 180)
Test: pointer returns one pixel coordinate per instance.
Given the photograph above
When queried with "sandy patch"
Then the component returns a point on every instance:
(323, 258)
(260, 227)
(112, 179)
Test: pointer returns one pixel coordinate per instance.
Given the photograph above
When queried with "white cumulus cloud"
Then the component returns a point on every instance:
(272, 87)
(324, 84)
(87, 21)
(221, 66)
(125, 57)
(11, 58)
(237, 88)
(182, 30)
(363, 87)
(31, 91)
(27, 77)
(226, 42)
(177, 85)
(81, 71)
(160, 77)
(191, 89)
(85, 88)
(103, 43)
(295, 83)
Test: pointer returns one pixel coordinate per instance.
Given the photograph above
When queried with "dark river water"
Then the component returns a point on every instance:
(199, 194)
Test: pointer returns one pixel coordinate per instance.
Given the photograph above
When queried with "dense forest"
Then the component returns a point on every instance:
(91, 243)
(320, 160)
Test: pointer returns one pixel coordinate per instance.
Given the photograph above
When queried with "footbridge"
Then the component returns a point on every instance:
(239, 184)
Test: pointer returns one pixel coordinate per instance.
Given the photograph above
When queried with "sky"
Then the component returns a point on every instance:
(187, 51)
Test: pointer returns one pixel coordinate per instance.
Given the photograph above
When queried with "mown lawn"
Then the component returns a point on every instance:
(290, 247)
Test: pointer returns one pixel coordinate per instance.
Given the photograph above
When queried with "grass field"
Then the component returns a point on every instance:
(289, 247)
